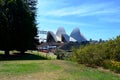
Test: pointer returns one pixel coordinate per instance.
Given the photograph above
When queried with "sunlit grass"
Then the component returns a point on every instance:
(45, 55)
(51, 70)
(1, 52)
(44, 66)
(29, 55)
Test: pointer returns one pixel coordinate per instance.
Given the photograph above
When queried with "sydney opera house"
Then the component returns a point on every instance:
(61, 36)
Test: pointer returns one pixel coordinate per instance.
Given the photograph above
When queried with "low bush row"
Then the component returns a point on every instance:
(105, 54)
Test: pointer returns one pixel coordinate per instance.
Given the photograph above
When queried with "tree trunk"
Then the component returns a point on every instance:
(22, 52)
(7, 52)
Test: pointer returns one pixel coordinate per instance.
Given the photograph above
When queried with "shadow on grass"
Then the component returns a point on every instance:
(18, 56)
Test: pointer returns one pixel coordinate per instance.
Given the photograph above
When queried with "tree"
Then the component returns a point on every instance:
(5, 31)
(31, 4)
(18, 31)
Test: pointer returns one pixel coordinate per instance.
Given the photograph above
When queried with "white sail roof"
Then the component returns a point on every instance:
(77, 36)
(51, 37)
(59, 33)
(61, 36)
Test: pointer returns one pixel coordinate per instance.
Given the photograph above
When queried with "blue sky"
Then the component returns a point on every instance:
(95, 18)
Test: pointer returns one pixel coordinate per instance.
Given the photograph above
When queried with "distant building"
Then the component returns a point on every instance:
(61, 36)
(76, 36)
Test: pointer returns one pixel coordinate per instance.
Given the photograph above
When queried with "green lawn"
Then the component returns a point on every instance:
(51, 70)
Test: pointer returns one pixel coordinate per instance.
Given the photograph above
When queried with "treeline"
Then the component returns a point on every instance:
(105, 54)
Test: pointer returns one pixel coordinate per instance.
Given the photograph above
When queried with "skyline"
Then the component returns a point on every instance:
(95, 18)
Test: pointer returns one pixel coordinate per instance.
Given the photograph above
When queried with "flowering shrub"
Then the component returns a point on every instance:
(112, 65)
(115, 66)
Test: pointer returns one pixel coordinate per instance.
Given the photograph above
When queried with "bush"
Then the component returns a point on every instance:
(90, 55)
(112, 65)
(116, 66)
(61, 54)
(112, 48)
(99, 54)
(106, 64)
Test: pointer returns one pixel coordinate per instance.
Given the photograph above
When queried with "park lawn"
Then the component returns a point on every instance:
(51, 70)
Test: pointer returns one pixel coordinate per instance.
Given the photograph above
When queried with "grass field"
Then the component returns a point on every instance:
(50, 70)
(40, 66)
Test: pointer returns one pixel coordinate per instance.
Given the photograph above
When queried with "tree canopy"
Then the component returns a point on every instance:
(18, 29)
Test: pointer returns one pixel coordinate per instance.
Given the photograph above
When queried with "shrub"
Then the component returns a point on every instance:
(112, 48)
(61, 54)
(98, 54)
(112, 65)
(115, 66)
(75, 55)
(106, 64)
(91, 55)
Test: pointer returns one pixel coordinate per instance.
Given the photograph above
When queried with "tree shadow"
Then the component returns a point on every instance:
(18, 56)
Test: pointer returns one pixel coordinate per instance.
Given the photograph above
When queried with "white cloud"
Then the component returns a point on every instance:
(57, 8)
(64, 22)
(82, 10)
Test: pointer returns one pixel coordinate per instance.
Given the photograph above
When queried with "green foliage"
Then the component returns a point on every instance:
(115, 66)
(1, 3)
(112, 48)
(99, 54)
(106, 64)
(89, 55)
(17, 26)
(112, 65)
(61, 54)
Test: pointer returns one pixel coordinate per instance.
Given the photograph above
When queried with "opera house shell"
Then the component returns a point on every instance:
(61, 36)
(76, 35)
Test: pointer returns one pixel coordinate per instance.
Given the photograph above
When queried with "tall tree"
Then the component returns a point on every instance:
(31, 4)
(20, 30)
(5, 30)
